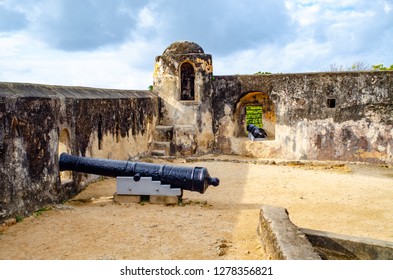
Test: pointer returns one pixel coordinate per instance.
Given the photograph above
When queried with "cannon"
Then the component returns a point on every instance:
(256, 132)
(184, 178)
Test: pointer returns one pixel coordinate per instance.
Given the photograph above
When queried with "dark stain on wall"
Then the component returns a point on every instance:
(333, 112)
(356, 126)
(31, 118)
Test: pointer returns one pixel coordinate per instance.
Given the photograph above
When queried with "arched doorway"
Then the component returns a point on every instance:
(258, 108)
(64, 147)
(187, 78)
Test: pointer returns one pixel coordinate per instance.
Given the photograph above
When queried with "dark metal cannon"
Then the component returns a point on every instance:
(186, 178)
(256, 131)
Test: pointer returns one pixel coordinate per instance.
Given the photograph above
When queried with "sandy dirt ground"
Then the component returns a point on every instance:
(351, 199)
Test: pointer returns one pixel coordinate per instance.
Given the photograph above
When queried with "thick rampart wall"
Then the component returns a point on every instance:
(345, 116)
(320, 116)
(38, 122)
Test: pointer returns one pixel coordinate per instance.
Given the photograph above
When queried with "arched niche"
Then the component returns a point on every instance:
(259, 105)
(187, 81)
(64, 147)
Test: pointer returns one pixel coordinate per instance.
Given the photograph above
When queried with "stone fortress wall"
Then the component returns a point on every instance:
(331, 116)
(39, 122)
(344, 116)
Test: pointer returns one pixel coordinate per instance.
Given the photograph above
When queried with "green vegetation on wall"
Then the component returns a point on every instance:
(382, 67)
(254, 115)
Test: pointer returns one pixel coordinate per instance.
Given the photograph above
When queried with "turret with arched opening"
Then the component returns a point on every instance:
(182, 79)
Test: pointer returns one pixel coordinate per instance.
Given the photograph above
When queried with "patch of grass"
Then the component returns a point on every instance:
(148, 160)
(186, 201)
(40, 211)
(19, 218)
(144, 199)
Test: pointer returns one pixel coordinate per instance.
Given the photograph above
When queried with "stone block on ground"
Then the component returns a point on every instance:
(166, 200)
(124, 199)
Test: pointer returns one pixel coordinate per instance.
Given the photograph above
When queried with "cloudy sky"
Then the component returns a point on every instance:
(113, 43)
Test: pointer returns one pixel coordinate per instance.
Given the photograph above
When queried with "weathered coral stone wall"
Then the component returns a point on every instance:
(37, 122)
(319, 116)
(344, 116)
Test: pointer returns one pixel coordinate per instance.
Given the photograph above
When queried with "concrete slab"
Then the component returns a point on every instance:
(280, 238)
(332, 246)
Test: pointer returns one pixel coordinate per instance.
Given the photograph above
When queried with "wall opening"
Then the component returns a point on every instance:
(99, 132)
(331, 103)
(187, 78)
(117, 132)
(256, 108)
(64, 147)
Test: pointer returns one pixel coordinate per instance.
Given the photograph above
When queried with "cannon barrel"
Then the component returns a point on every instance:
(187, 178)
(256, 131)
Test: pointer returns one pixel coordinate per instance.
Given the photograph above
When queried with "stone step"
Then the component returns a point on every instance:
(163, 133)
(161, 145)
(185, 126)
(184, 130)
(158, 153)
(164, 145)
(164, 127)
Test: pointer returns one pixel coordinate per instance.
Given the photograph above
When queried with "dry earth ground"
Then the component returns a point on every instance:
(352, 199)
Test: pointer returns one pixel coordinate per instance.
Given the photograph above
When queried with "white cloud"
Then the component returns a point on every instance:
(24, 59)
(146, 18)
(387, 7)
(114, 44)
(328, 32)
(297, 56)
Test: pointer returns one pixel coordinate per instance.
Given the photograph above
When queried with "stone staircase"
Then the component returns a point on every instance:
(163, 137)
(167, 138)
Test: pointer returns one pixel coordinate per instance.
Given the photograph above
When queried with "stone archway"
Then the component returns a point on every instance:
(187, 81)
(64, 147)
(262, 105)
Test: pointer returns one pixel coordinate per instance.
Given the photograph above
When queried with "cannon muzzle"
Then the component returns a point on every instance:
(256, 131)
(187, 178)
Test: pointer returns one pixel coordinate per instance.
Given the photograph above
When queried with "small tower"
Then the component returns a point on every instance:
(182, 80)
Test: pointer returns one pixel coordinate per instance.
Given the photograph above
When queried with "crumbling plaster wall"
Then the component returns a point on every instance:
(108, 123)
(98, 122)
(358, 128)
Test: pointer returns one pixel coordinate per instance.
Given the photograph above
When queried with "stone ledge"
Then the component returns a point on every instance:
(332, 246)
(280, 238)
